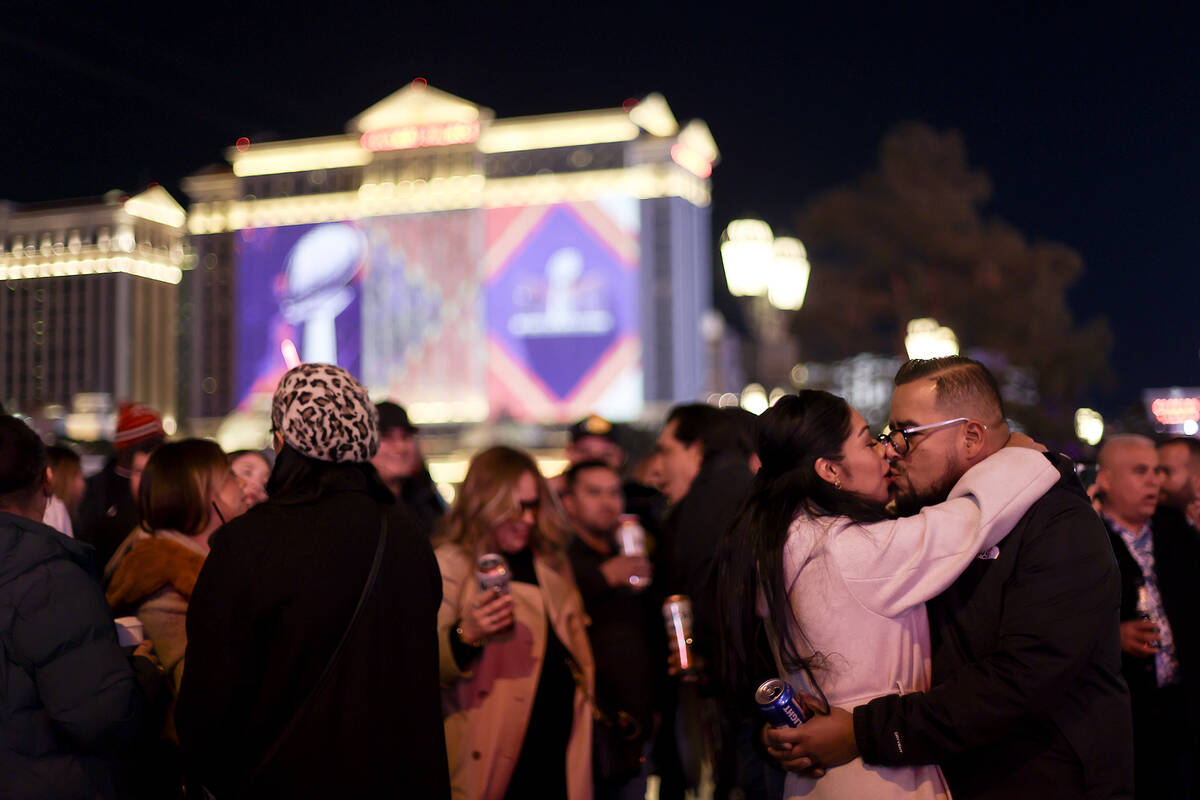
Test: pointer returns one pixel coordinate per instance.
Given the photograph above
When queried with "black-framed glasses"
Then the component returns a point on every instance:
(899, 439)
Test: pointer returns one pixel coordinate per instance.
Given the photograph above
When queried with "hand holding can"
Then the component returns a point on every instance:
(779, 704)
(489, 614)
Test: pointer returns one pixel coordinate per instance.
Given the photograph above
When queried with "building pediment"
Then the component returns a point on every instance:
(157, 205)
(417, 104)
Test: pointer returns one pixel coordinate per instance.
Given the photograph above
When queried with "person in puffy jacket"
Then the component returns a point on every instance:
(68, 697)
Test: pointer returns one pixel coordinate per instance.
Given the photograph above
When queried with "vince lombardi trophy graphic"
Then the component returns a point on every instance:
(320, 269)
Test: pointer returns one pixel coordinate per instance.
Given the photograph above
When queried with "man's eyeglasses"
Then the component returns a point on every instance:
(900, 441)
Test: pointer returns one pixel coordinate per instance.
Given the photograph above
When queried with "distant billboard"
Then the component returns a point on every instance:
(530, 313)
(297, 295)
(422, 314)
(1175, 409)
(563, 329)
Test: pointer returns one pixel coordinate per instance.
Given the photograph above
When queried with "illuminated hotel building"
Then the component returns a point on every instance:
(88, 299)
(473, 268)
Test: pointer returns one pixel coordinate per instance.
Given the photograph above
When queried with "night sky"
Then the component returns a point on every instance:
(1088, 123)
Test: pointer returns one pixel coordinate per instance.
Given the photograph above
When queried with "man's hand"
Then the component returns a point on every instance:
(1193, 513)
(1139, 638)
(627, 571)
(824, 741)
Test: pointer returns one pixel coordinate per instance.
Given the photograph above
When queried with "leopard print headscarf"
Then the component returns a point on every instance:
(324, 413)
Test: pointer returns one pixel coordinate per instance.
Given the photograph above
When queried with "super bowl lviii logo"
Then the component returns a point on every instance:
(562, 307)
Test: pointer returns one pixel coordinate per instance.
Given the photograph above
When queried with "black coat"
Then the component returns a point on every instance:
(275, 595)
(1176, 559)
(108, 512)
(624, 633)
(68, 697)
(1027, 697)
(692, 535)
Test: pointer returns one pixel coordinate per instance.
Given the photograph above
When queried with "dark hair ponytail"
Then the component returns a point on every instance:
(791, 436)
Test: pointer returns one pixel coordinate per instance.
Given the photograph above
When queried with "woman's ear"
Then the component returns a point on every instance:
(828, 471)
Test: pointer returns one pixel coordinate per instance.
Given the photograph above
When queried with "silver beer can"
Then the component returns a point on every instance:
(677, 614)
(493, 573)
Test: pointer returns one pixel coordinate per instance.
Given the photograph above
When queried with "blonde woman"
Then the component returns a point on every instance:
(516, 669)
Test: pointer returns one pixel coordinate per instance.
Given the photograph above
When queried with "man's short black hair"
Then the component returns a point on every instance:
(718, 433)
(960, 381)
(22, 462)
(1190, 442)
(571, 476)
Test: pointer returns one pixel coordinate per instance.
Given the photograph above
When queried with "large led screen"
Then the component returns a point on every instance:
(298, 295)
(561, 286)
(530, 313)
(395, 300)
(422, 314)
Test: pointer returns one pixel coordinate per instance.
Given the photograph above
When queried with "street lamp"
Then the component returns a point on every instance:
(789, 274)
(1089, 426)
(927, 339)
(774, 273)
(746, 252)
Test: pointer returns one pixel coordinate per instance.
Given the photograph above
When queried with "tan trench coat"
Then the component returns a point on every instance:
(487, 709)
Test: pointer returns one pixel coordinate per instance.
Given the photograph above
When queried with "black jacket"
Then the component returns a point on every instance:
(275, 595)
(108, 512)
(624, 633)
(1176, 557)
(692, 535)
(68, 697)
(1027, 697)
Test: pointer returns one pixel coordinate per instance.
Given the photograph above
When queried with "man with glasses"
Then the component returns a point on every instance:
(1027, 697)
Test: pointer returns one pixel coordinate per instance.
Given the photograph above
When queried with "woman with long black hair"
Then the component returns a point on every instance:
(815, 563)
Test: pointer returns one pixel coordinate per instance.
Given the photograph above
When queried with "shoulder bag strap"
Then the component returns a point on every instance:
(333, 659)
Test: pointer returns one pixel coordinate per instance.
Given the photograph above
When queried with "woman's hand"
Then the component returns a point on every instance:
(491, 613)
(824, 741)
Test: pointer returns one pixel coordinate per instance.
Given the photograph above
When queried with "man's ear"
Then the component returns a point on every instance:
(826, 470)
(48, 483)
(1102, 480)
(974, 437)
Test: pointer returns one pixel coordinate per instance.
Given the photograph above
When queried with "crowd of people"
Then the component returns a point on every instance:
(953, 611)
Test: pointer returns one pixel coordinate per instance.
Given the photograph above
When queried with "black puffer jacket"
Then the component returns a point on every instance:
(276, 592)
(68, 698)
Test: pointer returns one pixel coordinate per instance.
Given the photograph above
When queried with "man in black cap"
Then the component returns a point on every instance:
(594, 438)
(401, 466)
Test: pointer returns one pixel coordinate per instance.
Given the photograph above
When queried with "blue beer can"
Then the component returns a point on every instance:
(777, 701)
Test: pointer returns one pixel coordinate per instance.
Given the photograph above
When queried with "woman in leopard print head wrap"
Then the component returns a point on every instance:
(278, 591)
(324, 413)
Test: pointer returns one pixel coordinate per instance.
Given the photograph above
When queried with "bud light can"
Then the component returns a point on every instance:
(493, 574)
(631, 537)
(777, 701)
(677, 613)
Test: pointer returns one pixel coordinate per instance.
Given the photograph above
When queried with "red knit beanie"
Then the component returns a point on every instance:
(137, 424)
